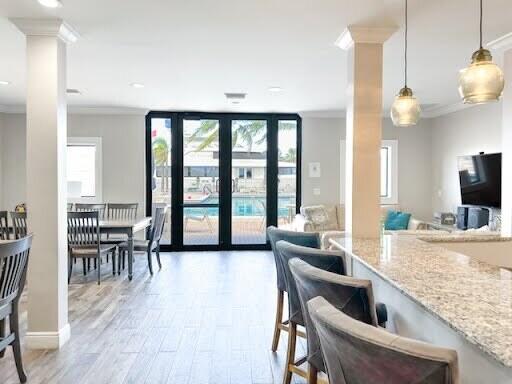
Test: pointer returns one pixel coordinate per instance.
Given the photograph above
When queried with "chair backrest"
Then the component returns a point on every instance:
(357, 353)
(353, 297)
(306, 239)
(100, 208)
(13, 268)
(19, 223)
(70, 206)
(157, 224)
(331, 261)
(4, 226)
(122, 211)
(83, 229)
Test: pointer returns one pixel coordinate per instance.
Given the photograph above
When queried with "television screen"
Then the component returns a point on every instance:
(480, 179)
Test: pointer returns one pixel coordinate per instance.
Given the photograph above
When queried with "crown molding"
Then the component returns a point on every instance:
(46, 27)
(501, 43)
(367, 35)
(80, 110)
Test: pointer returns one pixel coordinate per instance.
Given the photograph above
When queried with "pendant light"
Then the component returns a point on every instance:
(405, 110)
(482, 81)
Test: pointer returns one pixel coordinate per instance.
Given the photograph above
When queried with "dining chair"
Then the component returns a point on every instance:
(13, 271)
(88, 207)
(149, 245)
(4, 226)
(19, 224)
(358, 353)
(122, 211)
(306, 239)
(331, 261)
(350, 295)
(84, 240)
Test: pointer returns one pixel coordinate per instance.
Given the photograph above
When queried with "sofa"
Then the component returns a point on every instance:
(329, 221)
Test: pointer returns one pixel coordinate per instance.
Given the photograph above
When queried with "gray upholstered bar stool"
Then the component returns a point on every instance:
(305, 239)
(358, 353)
(332, 261)
(352, 296)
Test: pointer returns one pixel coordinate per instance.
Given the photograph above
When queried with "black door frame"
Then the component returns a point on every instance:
(225, 174)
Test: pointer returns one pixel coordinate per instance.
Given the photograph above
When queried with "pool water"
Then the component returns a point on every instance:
(243, 206)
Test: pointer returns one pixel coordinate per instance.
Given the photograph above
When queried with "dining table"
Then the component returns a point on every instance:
(128, 227)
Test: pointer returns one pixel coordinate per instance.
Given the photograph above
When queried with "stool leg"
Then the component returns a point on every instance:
(2, 335)
(290, 354)
(312, 375)
(279, 319)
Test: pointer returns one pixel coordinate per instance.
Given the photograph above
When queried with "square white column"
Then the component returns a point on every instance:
(48, 325)
(364, 128)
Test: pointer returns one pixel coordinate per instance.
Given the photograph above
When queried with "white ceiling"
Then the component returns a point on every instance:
(188, 53)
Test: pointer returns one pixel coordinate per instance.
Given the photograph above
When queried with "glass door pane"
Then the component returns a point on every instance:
(249, 181)
(161, 182)
(200, 182)
(287, 172)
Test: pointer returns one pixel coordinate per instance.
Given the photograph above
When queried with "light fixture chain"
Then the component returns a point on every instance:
(481, 22)
(405, 45)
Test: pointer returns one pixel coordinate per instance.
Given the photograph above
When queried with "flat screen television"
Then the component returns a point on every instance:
(480, 179)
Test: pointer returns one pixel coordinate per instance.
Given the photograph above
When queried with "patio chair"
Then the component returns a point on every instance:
(13, 272)
(199, 218)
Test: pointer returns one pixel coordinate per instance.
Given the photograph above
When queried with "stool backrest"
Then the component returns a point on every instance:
(83, 229)
(19, 223)
(100, 208)
(13, 268)
(357, 353)
(331, 261)
(122, 211)
(4, 226)
(353, 297)
(306, 239)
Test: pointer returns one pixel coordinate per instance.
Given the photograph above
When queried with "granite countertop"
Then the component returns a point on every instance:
(472, 297)
(464, 237)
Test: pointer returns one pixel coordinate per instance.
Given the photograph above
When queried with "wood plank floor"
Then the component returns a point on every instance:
(205, 318)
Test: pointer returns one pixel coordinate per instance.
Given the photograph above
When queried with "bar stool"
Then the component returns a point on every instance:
(353, 297)
(306, 239)
(356, 353)
(332, 261)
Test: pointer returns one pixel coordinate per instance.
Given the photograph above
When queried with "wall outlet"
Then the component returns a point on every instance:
(316, 191)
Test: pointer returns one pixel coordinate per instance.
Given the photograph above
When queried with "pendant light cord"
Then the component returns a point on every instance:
(405, 51)
(481, 17)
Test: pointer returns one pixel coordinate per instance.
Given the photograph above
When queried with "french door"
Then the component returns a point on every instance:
(223, 177)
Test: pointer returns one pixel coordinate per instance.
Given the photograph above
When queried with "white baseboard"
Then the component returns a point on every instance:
(48, 340)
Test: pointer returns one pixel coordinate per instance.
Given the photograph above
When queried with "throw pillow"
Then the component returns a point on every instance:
(396, 221)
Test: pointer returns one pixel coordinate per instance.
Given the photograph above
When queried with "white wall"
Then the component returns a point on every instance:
(123, 138)
(321, 139)
(466, 132)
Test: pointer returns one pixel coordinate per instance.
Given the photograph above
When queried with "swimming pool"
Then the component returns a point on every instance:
(244, 206)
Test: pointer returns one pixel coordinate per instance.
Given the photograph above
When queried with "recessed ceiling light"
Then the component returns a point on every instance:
(3, 82)
(275, 89)
(137, 85)
(50, 3)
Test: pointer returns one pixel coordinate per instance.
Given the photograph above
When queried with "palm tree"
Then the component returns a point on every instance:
(161, 158)
(245, 132)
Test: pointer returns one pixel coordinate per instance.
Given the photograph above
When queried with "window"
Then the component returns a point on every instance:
(84, 169)
(388, 172)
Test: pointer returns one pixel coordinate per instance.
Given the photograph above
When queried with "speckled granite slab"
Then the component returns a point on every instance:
(472, 297)
(463, 238)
